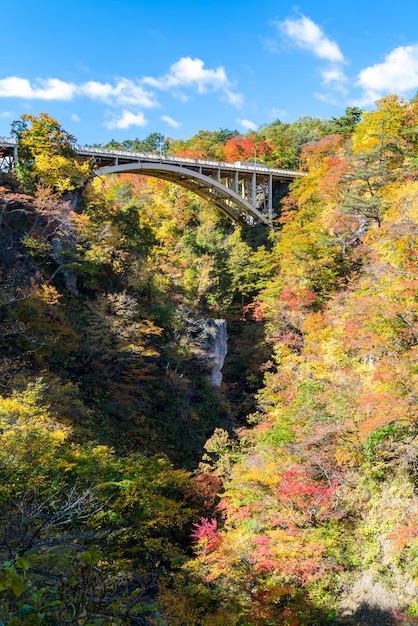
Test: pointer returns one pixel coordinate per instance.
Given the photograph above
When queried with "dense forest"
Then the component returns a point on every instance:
(133, 491)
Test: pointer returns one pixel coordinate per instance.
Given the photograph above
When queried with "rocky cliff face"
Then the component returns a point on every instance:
(210, 340)
(217, 347)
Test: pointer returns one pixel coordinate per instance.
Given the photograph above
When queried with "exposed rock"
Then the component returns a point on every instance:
(368, 592)
(210, 339)
(61, 258)
(217, 348)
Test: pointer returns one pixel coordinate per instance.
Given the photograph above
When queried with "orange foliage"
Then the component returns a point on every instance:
(254, 310)
(403, 536)
(191, 153)
(207, 488)
(333, 175)
(239, 149)
(321, 152)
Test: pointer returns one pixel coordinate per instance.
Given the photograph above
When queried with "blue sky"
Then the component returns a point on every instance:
(125, 69)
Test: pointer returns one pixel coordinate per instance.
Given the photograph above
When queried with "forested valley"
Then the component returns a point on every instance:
(135, 492)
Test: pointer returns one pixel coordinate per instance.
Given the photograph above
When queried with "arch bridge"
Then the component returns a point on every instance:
(248, 192)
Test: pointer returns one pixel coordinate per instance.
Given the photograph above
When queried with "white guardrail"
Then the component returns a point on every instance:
(151, 156)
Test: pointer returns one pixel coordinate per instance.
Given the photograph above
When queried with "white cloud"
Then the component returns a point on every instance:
(247, 124)
(278, 113)
(236, 99)
(334, 78)
(397, 74)
(169, 120)
(75, 117)
(54, 89)
(129, 95)
(5, 114)
(49, 89)
(333, 75)
(307, 35)
(190, 72)
(97, 91)
(328, 98)
(127, 119)
(180, 95)
(124, 92)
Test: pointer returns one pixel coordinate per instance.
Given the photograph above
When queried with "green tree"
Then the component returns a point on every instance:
(345, 124)
(154, 142)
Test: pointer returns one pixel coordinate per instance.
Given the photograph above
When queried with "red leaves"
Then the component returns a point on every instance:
(206, 534)
(302, 492)
(261, 540)
(298, 297)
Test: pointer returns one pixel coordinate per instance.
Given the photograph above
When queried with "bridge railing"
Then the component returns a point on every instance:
(8, 141)
(151, 156)
(250, 167)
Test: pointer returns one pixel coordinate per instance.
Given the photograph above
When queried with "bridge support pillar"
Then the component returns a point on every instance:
(253, 188)
(270, 200)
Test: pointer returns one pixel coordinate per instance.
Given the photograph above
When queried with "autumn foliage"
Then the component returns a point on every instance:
(132, 492)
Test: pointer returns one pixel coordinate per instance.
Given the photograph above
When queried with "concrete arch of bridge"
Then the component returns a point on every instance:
(227, 200)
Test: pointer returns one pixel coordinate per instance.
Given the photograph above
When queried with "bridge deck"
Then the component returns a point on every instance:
(246, 191)
(105, 157)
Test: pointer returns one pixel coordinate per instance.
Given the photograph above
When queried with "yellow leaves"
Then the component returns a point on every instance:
(49, 295)
(197, 278)
(259, 474)
(61, 172)
(42, 133)
(322, 179)
(349, 453)
(29, 435)
(396, 244)
(390, 506)
(82, 223)
(85, 457)
(119, 317)
(46, 154)
(284, 545)
(388, 120)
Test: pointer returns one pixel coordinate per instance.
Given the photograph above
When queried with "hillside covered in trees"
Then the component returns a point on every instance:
(132, 490)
